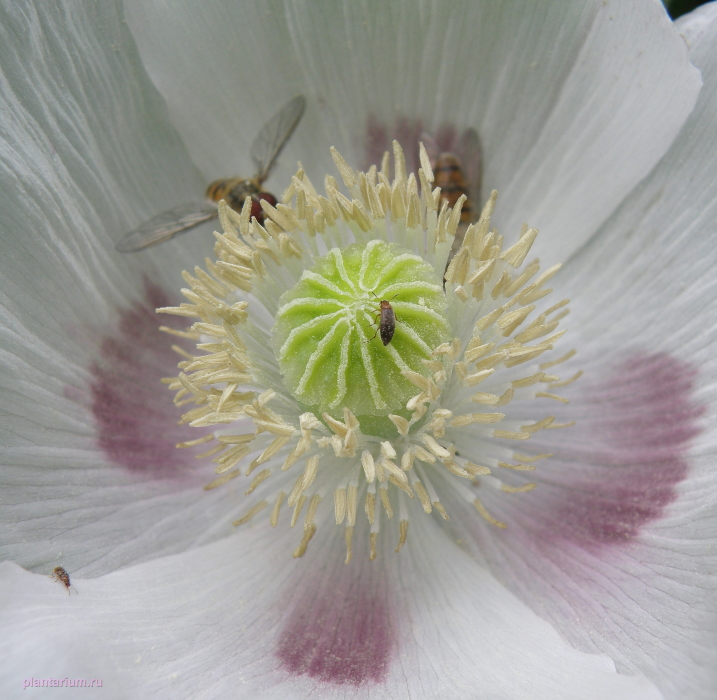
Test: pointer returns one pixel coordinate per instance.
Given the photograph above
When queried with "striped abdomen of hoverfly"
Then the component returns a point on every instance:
(235, 190)
(448, 175)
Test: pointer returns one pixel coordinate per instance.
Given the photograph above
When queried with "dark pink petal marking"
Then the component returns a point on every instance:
(376, 143)
(379, 139)
(408, 132)
(341, 630)
(135, 417)
(619, 467)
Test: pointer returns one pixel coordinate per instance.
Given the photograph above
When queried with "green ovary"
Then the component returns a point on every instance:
(329, 352)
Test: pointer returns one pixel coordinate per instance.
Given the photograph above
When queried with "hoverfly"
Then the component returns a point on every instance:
(265, 149)
(457, 171)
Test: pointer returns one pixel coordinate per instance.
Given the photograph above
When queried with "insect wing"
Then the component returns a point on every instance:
(167, 225)
(274, 135)
(470, 153)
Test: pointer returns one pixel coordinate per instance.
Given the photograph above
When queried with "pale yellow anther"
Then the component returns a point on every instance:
(417, 379)
(387, 450)
(403, 530)
(477, 377)
(455, 216)
(476, 469)
(383, 493)
(442, 349)
(517, 467)
(425, 162)
(489, 319)
(372, 544)
(423, 496)
(540, 425)
(511, 320)
(347, 174)
(252, 512)
(548, 395)
(340, 505)
(511, 434)
(423, 455)
(274, 518)
(369, 466)
(370, 507)
(222, 480)
(517, 489)
(481, 418)
(337, 426)
(515, 255)
(298, 506)
(394, 471)
(401, 423)
(311, 511)
(261, 476)
(407, 460)
(399, 163)
(398, 207)
(438, 450)
(485, 398)
(476, 352)
(441, 510)
(565, 382)
(199, 441)
(301, 549)
(530, 458)
(481, 509)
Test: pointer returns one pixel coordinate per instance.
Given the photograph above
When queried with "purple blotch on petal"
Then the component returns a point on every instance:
(341, 629)
(135, 417)
(409, 133)
(619, 467)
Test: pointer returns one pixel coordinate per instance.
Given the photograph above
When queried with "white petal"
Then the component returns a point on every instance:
(574, 105)
(86, 153)
(224, 70)
(616, 545)
(215, 619)
(695, 24)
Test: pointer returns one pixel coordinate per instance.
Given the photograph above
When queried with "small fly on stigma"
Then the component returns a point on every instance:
(386, 322)
(265, 150)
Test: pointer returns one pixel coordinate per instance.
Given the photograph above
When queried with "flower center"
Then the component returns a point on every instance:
(335, 367)
(353, 323)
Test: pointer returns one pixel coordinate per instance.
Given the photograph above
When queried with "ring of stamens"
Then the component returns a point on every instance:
(501, 323)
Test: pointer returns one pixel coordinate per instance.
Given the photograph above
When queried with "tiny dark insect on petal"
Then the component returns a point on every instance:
(59, 574)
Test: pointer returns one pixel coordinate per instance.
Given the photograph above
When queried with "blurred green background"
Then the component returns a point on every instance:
(680, 7)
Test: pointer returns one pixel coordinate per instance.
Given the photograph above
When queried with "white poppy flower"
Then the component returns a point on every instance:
(594, 130)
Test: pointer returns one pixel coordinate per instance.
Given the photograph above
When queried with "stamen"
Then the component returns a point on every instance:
(481, 509)
(275, 510)
(301, 549)
(199, 441)
(252, 512)
(348, 533)
(222, 480)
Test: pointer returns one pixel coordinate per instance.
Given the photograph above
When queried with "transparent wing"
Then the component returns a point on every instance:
(470, 154)
(274, 135)
(167, 225)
